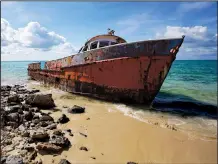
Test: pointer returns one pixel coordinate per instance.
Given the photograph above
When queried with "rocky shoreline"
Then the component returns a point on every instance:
(42, 125)
(26, 131)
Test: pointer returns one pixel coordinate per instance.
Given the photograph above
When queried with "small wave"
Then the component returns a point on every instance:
(138, 115)
(176, 122)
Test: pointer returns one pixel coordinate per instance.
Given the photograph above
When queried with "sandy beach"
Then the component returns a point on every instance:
(109, 83)
(113, 137)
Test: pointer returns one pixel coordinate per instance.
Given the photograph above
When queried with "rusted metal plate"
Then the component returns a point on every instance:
(133, 72)
(143, 48)
(119, 76)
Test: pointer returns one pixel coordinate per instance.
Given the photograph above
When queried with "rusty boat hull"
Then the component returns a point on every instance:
(126, 72)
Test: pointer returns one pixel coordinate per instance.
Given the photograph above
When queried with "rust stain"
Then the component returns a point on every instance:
(124, 72)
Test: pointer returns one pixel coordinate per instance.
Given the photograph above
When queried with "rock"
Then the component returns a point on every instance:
(68, 130)
(13, 109)
(36, 121)
(83, 134)
(65, 106)
(173, 128)
(64, 161)
(14, 159)
(34, 91)
(88, 118)
(13, 117)
(8, 148)
(23, 153)
(25, 134)
(40, 100)
(131, 163)
(76, 109)
(43, 124)
(52, 126)
(25, 107)
(13, 124)
(12, 103)
(29, 148)
(20, 111)
(59, 141)
(5, 88)
(34, 109)
(63, 119)
(46, 118)
(8, 128)
(32, 155)
(30, 140)
(21, 128)
(40, 135)
(49, 113)
(13, 98)
(156, 123)
(7, 142)
(48, 147)
(28, 115)
(83, 148)
(3, 160)
(93, 157)
(57, 132)
(35, 116)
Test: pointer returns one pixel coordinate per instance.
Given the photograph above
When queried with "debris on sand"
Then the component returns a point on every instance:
(76, 109)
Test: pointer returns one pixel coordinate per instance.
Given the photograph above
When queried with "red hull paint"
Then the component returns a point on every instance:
(131, 79)
(132, 72)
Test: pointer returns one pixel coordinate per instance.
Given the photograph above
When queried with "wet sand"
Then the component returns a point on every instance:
(113, 137)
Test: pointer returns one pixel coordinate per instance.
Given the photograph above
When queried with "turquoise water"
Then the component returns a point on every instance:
(191, 80)
(187, 80)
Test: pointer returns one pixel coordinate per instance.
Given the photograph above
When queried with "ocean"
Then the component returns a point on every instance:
(188, 82)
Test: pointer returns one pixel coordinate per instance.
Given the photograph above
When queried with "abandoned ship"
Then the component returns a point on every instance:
(107, 67)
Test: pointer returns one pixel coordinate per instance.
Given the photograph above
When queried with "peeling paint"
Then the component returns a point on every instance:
(124, 72)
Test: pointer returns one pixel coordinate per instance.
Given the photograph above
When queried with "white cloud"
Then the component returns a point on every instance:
(32, 42)
(7, 33)
(198, 41)
(35, 36)
(196, 32)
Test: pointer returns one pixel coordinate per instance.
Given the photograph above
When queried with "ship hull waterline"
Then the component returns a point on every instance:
(144, 91)
(126, 79)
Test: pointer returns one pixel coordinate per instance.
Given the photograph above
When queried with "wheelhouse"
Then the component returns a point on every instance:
(102, 41)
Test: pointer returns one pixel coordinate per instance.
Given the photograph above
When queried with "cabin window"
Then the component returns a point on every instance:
(94, 45)
(103, 43)
(113, 43)
(85, 48)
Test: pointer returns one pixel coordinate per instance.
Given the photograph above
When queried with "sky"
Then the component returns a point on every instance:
(51, 30)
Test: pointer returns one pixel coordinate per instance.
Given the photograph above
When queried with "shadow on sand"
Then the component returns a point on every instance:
(180, 105)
